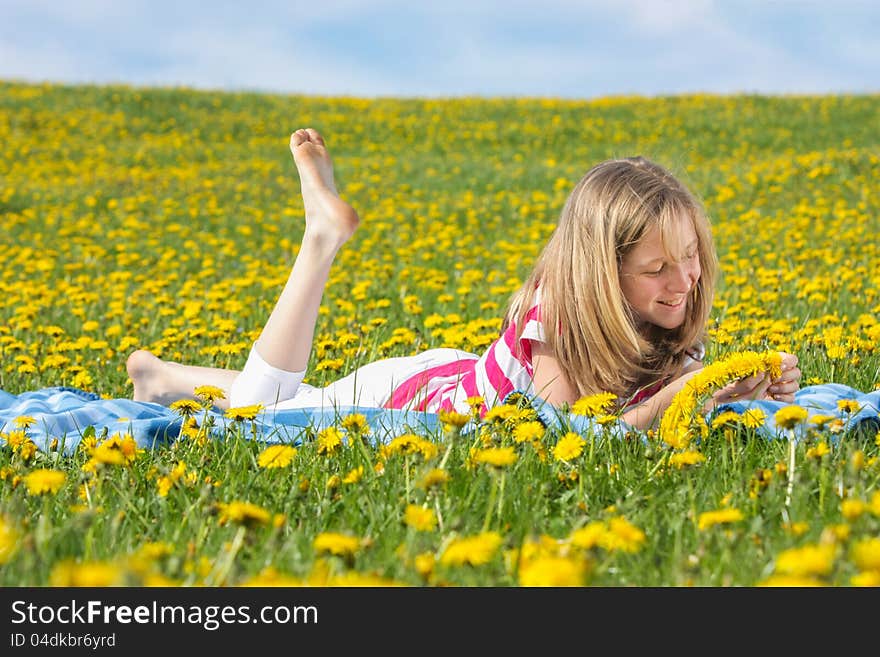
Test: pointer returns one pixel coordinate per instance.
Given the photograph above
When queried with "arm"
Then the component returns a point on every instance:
(547, 377)
(647, 414)
(552, 385)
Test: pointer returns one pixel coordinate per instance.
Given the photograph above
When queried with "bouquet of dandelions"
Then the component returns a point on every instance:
(684, 420)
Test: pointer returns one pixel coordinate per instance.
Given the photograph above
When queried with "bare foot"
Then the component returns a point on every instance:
(146, 372)
(327, 215)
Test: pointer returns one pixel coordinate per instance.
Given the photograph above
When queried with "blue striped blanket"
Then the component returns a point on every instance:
(67, 413)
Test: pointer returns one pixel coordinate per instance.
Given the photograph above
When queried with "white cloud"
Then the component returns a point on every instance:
(564, 48)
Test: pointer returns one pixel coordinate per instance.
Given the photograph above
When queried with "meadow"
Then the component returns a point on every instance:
(168, 219)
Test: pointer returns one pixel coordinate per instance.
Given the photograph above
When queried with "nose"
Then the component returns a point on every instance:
(681, 278)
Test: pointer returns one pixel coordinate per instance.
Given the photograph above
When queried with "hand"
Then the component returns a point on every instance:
(789, 382)
(752, 387)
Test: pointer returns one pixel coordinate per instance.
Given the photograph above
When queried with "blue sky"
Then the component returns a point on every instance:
(549, 48)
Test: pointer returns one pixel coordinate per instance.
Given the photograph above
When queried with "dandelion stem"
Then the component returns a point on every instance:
(493, 492)
(501, 495)
(791, 464)
(221, 572)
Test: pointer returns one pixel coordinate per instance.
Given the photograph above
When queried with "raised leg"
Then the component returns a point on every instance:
(286, 339)
(285, 342)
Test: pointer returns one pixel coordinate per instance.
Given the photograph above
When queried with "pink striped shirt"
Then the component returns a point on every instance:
(499, 371)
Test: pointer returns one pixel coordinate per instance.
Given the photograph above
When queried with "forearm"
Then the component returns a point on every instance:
(647, 414)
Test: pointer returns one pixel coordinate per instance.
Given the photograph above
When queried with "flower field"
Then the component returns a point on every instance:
(168, 219)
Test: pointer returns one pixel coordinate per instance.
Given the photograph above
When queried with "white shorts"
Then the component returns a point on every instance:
(369, 386)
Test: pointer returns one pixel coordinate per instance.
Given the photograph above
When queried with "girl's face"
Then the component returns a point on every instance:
(657, 284)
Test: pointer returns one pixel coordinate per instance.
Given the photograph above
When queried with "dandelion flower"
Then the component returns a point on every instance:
(242, 413)
(341, 545)
(682, 459)
(623, 536)
(8, 541)
(866, 554)
(471, 550)
(709, 519)
(593, 405)
(420, 518)
(497, 457)
(529, 432)
(789, 417)
(569, 447)
(43, 481)
(354, 475)
(185, 407)
(24, 422)
(553, 571)
(329, 441)
(68, 573)
(809, 560)
(434, 478)
(243, 513)
(209, 394)
(276, 456)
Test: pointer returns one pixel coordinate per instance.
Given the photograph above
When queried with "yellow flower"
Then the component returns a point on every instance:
(185, 407)
(44, 481)
(809, 560)
(849, 405)
(434, 478)
(753, 418)
(473, 550)
(727, 417)
(529, 432)
(410, 444)
(420, 518)
(209, 394)
(553, 571)
(790, 581)
(24, 421)
(569, 447)
(453, 421)
(867, 578)
(68, 573)
(243, 513)
(9, 538)
(789, 417)
(677, 424)
(356, 424)
(424, 564)
(329, 441)
(593, 405)
(497, 457)
(818, 451)
(709, 519)
(866, 554)
(354, 475)
(682, 459)
(622, 535)
(242, 413)
(341, 545)
(589, 536)
(276, 456)
(821, 420)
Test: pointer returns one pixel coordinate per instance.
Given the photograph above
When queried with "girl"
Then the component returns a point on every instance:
(626, 282)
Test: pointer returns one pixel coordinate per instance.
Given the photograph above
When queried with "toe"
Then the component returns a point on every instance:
(315, 136)
(298, 137)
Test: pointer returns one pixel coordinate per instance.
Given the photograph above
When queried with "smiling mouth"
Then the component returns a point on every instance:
(670, 304)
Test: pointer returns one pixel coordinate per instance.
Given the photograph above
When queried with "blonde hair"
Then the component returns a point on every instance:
(588, 324)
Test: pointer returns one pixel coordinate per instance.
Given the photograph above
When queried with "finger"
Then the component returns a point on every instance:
(790, 376)
(747, 385)
(760, 391)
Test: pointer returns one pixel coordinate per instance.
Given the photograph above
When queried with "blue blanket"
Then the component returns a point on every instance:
(67, 413)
